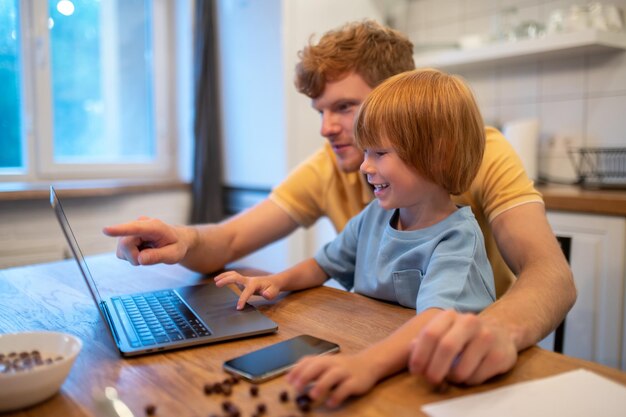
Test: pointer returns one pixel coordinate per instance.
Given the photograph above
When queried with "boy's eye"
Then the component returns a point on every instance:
(375, 153)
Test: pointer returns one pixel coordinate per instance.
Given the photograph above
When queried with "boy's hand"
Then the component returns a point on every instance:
(263, 286)
(334, 377)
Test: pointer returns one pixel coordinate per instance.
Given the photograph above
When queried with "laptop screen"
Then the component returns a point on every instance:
(71, 240)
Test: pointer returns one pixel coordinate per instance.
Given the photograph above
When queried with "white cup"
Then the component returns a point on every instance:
(597, 17)
(556, 21)
(577, 18)
(614, 18)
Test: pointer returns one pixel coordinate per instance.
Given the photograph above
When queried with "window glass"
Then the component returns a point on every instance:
(10, 104)
(101, 60)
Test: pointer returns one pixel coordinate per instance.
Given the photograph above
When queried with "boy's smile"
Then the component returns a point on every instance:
(399, 186)
(379, 189)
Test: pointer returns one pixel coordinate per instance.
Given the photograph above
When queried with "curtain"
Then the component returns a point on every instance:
(207, 200)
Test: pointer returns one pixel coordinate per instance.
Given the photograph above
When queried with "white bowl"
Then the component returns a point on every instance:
(30, 386)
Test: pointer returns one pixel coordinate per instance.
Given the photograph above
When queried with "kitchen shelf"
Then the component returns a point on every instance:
(554, 45)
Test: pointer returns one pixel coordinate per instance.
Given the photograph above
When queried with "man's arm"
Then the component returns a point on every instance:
(544, 290)
(203, 248)
(215, 245)
(471, 349)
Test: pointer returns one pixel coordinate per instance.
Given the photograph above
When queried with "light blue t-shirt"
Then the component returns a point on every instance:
(444, 265)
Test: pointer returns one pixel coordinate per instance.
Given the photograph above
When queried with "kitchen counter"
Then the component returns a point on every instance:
(572, 198)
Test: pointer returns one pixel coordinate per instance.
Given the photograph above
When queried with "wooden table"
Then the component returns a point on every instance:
(54, 297)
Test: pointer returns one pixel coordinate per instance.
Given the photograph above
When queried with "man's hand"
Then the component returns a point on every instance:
(461, 348)
(148, 241)
(334, 377)
(264, 286)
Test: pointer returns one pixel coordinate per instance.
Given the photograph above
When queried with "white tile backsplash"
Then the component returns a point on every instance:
(562, 125)
(607, 73)
(562, 78)
(519, 83)
(490, 115)
(606, 121)
(475, 8)
(438, 11)
(485, 25)
(417, 16)
(442, 33)
(579, 100)
(516, 111)
(483, 84)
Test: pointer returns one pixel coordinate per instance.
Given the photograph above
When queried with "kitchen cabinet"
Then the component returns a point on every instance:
(554, 46)
(594, 327)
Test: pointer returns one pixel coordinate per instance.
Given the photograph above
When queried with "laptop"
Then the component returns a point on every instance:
(171, 318)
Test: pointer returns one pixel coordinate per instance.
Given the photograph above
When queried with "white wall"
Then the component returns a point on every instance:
(29, 232)
(252, 95)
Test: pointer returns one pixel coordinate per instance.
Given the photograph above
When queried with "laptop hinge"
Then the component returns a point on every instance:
(108, 318)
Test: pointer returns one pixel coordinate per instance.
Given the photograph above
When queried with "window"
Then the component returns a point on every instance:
(10, 103)
(84, 89)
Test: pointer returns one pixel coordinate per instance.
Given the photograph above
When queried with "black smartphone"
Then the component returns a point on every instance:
(274, 360)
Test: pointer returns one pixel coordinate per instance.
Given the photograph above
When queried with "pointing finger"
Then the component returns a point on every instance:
(245, 296)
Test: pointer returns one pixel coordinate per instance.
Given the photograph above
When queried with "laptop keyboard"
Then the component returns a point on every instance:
(158, 317)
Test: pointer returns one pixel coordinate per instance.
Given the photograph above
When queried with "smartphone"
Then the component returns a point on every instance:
(274, 360)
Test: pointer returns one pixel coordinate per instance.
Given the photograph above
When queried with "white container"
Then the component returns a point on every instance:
(577, 19)
(524, 136)
(31, 386)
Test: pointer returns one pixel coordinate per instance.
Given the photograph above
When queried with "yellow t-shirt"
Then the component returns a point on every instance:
(317, 187)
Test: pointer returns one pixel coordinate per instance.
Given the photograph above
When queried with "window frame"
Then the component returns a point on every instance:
(36, 102)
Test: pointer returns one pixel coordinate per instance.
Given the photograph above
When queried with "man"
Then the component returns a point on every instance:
(337, 74)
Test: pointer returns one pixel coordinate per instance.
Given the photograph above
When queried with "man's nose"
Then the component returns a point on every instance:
(330, 125)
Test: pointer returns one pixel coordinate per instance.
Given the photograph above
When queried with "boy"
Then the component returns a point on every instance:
(423, 140)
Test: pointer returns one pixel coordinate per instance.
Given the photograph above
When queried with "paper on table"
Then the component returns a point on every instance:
(579, 393)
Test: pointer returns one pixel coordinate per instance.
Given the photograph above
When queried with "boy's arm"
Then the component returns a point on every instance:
(391, 354)
(306, 274)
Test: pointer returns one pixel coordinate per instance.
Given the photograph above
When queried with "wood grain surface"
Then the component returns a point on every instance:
(54, 297)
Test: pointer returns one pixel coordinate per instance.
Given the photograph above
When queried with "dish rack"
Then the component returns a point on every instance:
(599, 167)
